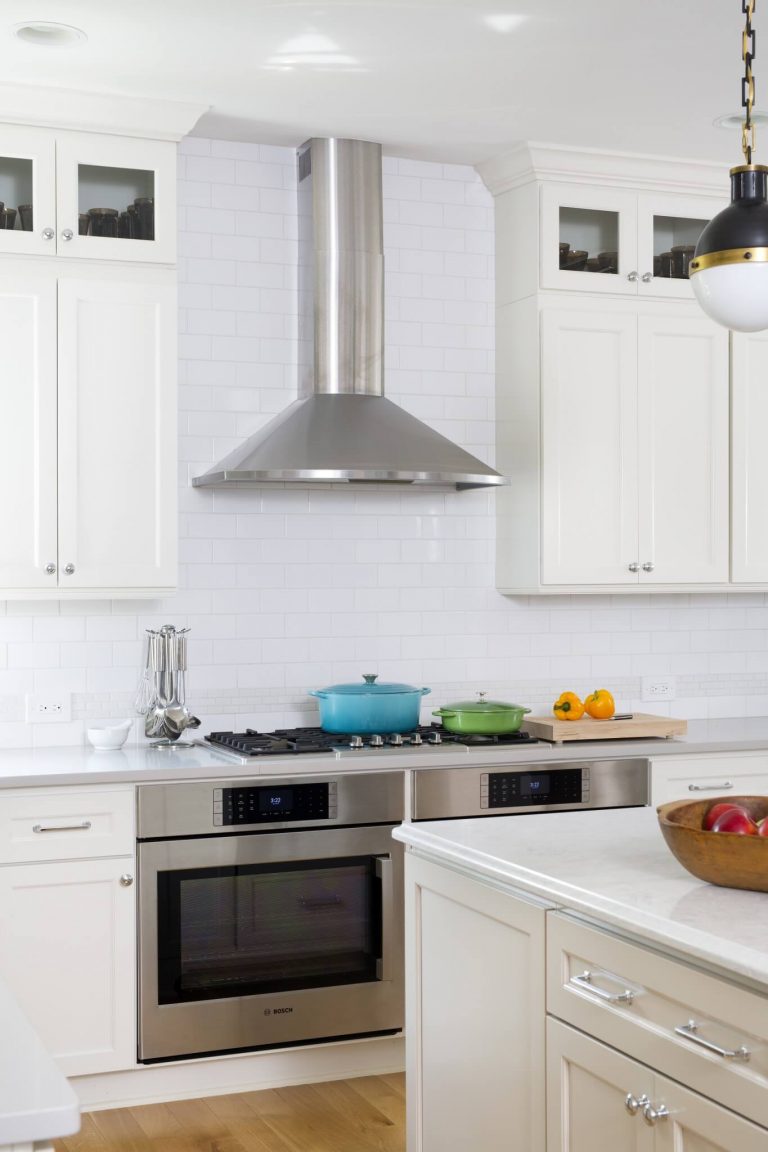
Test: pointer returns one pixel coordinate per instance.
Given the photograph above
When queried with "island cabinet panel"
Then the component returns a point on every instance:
(702, 777)
(475, 995)
(603, 1101)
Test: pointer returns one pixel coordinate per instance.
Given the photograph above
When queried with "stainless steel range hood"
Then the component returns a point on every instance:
(342, 428)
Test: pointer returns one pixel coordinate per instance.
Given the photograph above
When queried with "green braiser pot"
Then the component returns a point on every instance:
(481, 717)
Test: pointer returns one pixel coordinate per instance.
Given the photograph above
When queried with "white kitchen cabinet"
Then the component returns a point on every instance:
(475, 997)
(603, 1101)
(613, 429)
(637, 228)
(88, 441)
(700, 777)
(749, 352)
(68, 925)
(51, 179)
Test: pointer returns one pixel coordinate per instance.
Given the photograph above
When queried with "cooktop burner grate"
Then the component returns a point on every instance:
(305, 741)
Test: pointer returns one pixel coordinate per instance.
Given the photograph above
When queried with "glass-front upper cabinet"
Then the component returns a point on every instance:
(87, 195)
(618, 241)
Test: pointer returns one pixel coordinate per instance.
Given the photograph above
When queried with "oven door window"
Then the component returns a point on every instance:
(257, 928)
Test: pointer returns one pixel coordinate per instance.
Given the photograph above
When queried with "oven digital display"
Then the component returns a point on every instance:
(275, 800)
(534, 784)
(523, 789)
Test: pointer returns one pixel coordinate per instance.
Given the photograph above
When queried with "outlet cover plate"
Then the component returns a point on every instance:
(48, 708)
(658, 688)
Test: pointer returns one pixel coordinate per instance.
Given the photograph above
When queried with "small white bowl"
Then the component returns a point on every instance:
(109, 737)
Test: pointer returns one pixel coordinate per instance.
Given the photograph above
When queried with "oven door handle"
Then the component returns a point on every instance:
(385, 876)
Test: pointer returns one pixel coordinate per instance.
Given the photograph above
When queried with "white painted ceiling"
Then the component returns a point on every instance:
(458, 80)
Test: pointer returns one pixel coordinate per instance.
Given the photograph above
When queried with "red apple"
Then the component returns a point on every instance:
(717, 810)
(737, 821)
(762, 827)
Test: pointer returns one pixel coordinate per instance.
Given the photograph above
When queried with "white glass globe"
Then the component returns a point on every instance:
(734, 295)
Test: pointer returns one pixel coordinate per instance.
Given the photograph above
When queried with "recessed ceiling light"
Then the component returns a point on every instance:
(47, 35)
(736, 119)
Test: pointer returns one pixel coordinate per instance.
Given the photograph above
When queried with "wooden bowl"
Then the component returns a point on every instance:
(723, 858)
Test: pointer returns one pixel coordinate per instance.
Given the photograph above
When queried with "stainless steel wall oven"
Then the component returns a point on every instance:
(270, 912)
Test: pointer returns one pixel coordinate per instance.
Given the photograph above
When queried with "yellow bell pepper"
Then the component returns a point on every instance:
(600, 705)
(568, 707)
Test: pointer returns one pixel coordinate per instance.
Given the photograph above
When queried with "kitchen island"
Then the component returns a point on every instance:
(549, 960)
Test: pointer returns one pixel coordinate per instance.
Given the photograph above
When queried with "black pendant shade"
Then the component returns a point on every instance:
(742, 227)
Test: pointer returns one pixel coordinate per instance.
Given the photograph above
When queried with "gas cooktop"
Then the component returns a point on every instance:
(305, 741)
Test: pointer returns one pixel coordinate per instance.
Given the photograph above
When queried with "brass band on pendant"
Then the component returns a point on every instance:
(728, 256)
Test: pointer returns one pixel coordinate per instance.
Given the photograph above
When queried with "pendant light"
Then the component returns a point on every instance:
(729, 270)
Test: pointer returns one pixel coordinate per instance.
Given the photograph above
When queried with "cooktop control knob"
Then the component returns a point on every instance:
(355, 741)
(435, 738)
(416, 738)
(376, 741)
(396, 739)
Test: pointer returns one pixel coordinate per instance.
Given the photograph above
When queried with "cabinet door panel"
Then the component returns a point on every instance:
(587, 1087)
(27, 431)
(683, 417)
(750, 460)
(591, 221)
(589, 447)
(67, 953)
(117, 434)
(696, 1124)
(28, 190)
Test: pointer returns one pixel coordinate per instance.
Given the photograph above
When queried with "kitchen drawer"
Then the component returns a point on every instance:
(699, 777)
(636, 999)
(75, 823)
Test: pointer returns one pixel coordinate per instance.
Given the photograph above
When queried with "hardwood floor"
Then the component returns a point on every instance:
(366, 1114)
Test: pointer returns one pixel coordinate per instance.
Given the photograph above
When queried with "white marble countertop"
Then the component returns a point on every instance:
(614, 866)
(36, 1100)
(138, 762)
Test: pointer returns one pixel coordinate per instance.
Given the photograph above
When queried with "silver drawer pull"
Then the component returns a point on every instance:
(585, 981)
(689, 1032)
(84, 827)
(710, 787)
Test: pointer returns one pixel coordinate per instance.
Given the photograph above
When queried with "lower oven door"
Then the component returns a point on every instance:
(269, 939)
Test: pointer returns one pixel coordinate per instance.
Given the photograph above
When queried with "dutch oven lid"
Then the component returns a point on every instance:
(483, 705)
(369, 687)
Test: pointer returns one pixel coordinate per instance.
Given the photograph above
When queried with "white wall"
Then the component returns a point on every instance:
(287, 589)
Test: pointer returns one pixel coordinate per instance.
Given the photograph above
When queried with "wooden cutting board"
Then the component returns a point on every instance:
(640, 727)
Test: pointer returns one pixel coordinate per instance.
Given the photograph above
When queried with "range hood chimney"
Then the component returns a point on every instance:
(342, 428)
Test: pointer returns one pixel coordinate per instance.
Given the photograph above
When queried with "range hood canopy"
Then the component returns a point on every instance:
(342, 428)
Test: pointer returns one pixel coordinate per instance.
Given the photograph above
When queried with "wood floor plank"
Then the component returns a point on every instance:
(365, 1115)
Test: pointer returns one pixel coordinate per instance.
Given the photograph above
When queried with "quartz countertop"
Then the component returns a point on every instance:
(613, 866)
(138, 762)
(36, 1100)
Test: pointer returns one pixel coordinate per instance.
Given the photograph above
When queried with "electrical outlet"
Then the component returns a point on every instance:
(658, 687)
(49, 709)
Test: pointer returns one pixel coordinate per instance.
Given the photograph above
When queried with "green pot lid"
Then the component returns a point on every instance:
(369, 687)
(483, 705)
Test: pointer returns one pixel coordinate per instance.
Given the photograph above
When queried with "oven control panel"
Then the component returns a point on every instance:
(548, 786)
(282, 802)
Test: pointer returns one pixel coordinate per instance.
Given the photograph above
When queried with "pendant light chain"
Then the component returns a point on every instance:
(748, 144)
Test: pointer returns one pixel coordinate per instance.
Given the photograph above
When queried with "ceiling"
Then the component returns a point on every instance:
(442, 80)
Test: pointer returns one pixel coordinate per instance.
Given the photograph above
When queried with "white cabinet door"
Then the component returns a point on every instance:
(695, 1124)
(667, 223)
(67, 952)
(28, 191)
(750, 460)
(589, 447)
(683, 415)
(474, 1015)
(27, 430)
(591, 220)
(588, 1086)
(117, 434)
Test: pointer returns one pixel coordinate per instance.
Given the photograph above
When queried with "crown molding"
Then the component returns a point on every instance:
(531, 161)
(104, 112)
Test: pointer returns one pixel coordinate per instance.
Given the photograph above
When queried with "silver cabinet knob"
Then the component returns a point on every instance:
(67, 234)
(648, 566)
(651, 1114)
(126, 879)
(632, 277)
(633, 1104)
(70, 568)
(647, 277)
(48, 233)
(51, 569)
(634, 566)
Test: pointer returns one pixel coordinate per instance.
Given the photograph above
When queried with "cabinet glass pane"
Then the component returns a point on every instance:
(589, 240)
(116, 202)
(16, 181)
(674, 241)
